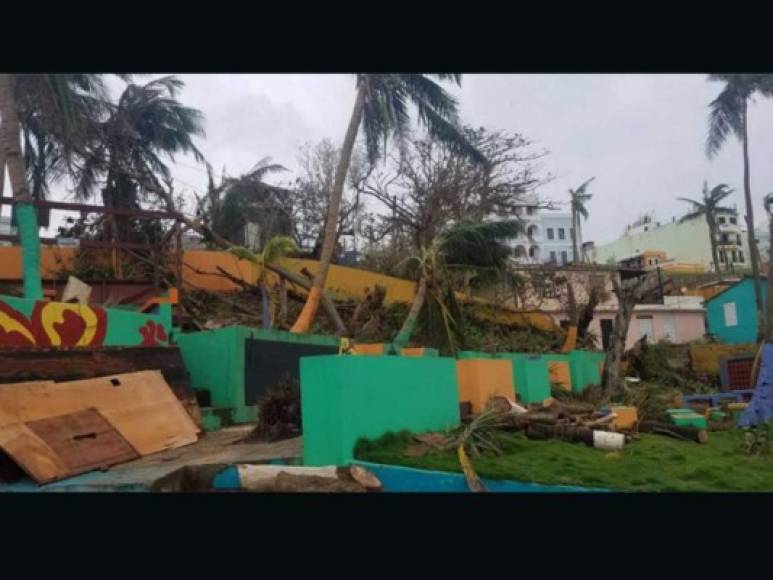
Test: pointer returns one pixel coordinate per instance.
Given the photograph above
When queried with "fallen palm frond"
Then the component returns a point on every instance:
(481, 434)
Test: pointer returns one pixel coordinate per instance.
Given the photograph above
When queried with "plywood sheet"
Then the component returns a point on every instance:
(78, 364)
(60, 447)
(31, 453)
(141, 407)
(84, 440)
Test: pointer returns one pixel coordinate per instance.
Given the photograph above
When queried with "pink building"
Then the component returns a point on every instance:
(680, 319)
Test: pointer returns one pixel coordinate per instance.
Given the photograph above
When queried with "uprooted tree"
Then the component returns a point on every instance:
(630, 288)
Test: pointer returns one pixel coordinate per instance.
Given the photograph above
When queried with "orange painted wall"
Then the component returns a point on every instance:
(559, 374)
(200, 271)
(481, 379)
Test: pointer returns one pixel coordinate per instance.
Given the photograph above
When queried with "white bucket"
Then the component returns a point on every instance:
(607, 440)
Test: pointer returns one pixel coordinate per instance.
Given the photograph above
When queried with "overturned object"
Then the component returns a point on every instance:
(576, 434)
(299, 478)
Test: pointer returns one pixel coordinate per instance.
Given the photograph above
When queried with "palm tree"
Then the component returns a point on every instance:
(477, 247)
(729, 113)
(274, 253)
(708, 208)
(226, 208)
(578, 198)
(146, 124)
(381, 106)
(60, 110)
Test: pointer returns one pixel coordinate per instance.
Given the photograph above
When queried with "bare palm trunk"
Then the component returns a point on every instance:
(574, 235)
(629, 293)
(2, 160)
(409, 324)
(769, 290)
(282, 318)
(306, 317)
(753, 250)
(713, 240)
(265, 304)
(26, 216)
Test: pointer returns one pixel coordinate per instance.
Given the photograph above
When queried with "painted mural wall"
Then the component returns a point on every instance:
(40, 324)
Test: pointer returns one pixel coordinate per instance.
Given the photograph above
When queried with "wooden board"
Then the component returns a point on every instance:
(141, 407)
(80, 363)
(60, 447)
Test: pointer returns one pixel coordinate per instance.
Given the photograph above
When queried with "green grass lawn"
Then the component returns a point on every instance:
(653, 463)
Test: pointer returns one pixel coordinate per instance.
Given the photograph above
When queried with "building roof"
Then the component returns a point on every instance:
(733, 285)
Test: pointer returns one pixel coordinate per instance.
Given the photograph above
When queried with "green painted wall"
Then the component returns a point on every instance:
(344, 398)
(215, 358)
(742, 295)
(27, 224)
(584, 368)
(532, 378)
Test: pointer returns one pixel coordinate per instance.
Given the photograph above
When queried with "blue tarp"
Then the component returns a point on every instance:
(760, 409)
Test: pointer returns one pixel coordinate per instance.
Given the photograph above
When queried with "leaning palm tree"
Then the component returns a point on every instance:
(61, 109)
(147, 124)
(708, 209)
(578, 198)
(472, 247)
(729, 114)
(381, 107)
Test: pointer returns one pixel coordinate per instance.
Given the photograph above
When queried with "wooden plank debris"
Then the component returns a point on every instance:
(59, 447)
(141, 407)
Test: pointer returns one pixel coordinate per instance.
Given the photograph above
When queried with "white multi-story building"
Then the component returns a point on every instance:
(546, 237)
(556, 245)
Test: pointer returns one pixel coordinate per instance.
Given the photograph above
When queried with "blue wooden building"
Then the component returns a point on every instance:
(731, 316)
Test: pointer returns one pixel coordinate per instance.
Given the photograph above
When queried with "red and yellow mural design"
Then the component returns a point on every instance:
(55, 324)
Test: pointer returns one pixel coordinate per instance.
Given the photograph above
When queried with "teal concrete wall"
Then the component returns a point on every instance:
(532, 378)
(344, 398)
(742, 295)
(215, 358)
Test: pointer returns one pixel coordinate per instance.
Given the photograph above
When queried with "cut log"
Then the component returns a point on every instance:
(365, 478)
(256, 477)
(572, 408)
(675, 431)
(293, 483)
(564, 432)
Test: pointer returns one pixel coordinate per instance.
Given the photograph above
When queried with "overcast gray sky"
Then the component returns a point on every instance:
(641, 136)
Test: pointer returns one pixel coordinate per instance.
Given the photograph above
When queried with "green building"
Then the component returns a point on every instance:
(731, 315)
(682, 242)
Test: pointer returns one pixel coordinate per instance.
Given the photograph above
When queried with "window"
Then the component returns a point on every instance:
(731, 317)
(734, 256)
(550, 234)
(738, 239)
(552, 257)
(740, 256)
(725, 238)
(645, 326)
(561, 234)
(721, 220)
(529, 211)
(564, 257)
(734, 221)
(722, 257)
